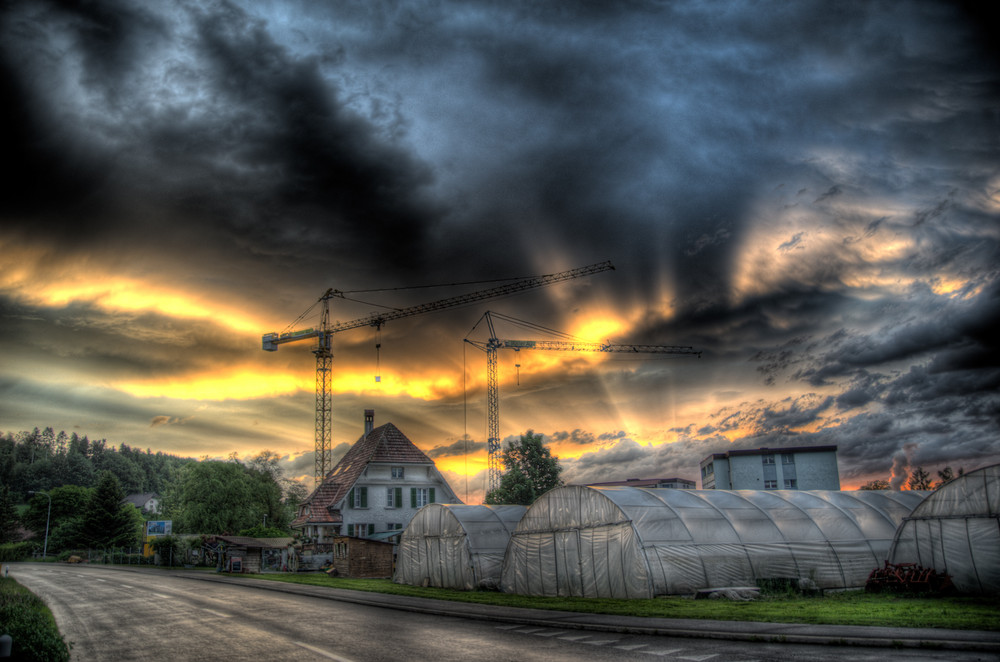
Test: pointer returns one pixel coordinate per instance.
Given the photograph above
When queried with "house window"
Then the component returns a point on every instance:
(360, 530)
(788, 458)
(397, 472)
(358, 497)
(421, 496)
(770, 484)
(791, 484)
(767, 459)
(394, 497)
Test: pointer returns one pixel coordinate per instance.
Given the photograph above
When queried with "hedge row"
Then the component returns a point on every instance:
(30, 624)
(15, 551)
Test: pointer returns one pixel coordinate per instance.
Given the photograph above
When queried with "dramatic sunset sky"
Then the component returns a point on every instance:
(808, 192)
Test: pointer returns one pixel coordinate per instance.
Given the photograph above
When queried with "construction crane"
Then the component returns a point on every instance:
(567, 344)
(323, 334)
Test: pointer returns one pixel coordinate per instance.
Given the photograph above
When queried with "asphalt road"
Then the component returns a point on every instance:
(114, 614)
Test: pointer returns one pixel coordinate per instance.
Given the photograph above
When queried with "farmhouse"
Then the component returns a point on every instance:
(376, 488)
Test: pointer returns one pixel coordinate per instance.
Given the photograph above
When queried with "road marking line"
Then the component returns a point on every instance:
(601, 642)
(530, 630)
(507, 627)
(698, 658)
(575, 637)
(631, 647)
(551, 633)
(161, 596)
(127, 586)
(320, 651)
(216, 613)
(662, 652)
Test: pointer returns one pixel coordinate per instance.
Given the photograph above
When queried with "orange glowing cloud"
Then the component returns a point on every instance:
(33, 276)
(255, 382)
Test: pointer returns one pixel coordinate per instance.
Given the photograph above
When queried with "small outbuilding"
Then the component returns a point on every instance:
(626, 542)
(456, 546)
(245, 554)
(956, 530)
(360, 557)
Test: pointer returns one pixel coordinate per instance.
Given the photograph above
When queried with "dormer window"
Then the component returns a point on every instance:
(397, 472)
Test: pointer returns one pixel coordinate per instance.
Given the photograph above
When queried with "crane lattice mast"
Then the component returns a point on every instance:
(324, 354)
(492, 344)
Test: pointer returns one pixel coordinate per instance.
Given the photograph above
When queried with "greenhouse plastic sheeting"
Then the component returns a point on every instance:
(628, 542)
(455, 546)
(957, 530)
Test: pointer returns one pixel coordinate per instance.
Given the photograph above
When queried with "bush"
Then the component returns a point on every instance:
(170, 550)
(15, 551)
(30, 624)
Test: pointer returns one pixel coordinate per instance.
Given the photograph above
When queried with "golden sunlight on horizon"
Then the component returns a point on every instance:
(28, 275)
(248, 383)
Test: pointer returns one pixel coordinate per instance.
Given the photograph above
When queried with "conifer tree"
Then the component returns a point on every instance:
(107, 520)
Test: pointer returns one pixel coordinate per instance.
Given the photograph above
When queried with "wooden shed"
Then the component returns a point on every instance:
(360, 557)
(245, 554)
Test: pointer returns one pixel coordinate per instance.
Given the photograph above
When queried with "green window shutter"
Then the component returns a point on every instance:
(350, 529)
(371, 529)
(413, 497)
(431, 497)
(350, 500)
(398, 501)
(364, 496)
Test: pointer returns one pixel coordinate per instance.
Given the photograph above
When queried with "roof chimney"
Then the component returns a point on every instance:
(369, 420)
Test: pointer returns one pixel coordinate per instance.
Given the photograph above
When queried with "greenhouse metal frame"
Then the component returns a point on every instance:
(456, 546)
(627, 542)
(956, 530)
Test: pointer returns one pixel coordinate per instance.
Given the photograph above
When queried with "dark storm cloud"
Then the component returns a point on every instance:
(290, 169)
(459, 448)
(267, 151)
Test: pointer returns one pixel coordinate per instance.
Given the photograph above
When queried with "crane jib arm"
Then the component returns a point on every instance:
(272, 340)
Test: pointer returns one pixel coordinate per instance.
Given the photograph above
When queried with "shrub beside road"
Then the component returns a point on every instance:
(30, 624)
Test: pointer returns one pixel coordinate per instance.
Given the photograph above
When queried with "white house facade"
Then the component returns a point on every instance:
(376, 488)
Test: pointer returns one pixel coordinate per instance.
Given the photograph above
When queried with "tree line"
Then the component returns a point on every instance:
(76, 488)
(918, 479)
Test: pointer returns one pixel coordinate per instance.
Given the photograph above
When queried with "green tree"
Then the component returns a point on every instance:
(9, 521)
(877, 484)
(224, 497)
(68, 502)
(919, 480)
(107, 520)
(530, 470)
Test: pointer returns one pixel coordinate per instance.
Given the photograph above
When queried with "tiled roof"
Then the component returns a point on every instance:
(383, 444)
(247, 541)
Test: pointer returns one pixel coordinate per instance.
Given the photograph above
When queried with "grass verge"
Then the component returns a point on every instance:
(30, 624)
(846, 608)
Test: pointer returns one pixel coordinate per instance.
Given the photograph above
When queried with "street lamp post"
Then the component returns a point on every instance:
(45, 547)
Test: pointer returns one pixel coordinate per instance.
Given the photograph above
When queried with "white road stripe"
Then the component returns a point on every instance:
(550, 633)
(631, 647)
(601, 642)
(575, 637)
(320, 651)
(698, 658)
(161, 596)
(662, 652)
(215, 613)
